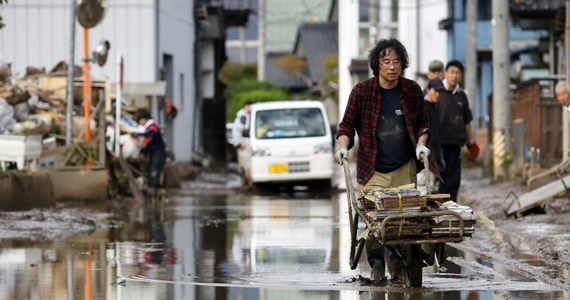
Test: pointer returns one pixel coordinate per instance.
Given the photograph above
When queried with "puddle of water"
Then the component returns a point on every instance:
(232, 246)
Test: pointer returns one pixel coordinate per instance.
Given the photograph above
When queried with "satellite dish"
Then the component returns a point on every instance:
(101, 52)
(90, 12)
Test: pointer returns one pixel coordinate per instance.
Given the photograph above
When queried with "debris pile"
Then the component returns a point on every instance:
(36, 103)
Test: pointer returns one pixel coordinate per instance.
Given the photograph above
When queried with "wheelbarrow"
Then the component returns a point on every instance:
(409, 247)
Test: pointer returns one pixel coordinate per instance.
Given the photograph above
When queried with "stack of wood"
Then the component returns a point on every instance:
(390, 202)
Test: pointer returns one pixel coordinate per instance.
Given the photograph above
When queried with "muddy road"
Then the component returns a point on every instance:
(210, 241)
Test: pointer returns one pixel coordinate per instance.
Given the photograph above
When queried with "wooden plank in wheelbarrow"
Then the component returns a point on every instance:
(534, 198)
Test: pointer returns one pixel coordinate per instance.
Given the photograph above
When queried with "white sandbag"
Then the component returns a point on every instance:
(7, 120)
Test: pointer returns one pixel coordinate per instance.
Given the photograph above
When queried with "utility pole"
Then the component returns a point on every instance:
(261, 41)
(86, 86)
(347, 50)
(242, 46)
(471, 70)
(501, 95)
(565, 119)
(373, 22)
(418, 38)
(70, 78)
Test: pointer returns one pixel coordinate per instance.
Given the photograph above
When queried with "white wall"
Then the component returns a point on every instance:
(432, 40)
(37, 34)
(177, 37)
(347, 49)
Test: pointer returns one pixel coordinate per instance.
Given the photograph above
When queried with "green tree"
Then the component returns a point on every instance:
(294, 65)
(329, 83)
(297, 66)
(239, 92)
(242, 86)
(233, 72)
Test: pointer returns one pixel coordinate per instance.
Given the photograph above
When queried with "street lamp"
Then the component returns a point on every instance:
(89, 14)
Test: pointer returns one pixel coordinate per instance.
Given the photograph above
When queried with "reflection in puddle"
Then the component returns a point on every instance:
(232, 246)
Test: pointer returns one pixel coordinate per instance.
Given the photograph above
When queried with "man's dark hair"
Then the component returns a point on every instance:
(247, 103)
(455, 63)
(380, 50)
(142, 113)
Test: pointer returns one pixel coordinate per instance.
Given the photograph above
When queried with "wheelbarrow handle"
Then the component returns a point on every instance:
(356, 245)
(349, 185)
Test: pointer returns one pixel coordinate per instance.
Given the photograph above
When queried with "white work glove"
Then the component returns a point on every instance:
(340, 154)
(421, 148)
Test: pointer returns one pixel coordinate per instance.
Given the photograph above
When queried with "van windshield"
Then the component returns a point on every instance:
(289, 123)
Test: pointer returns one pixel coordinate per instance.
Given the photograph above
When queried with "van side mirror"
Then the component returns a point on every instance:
(245, 133)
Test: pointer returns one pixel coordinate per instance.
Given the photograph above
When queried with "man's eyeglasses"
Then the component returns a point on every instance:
(387, 63)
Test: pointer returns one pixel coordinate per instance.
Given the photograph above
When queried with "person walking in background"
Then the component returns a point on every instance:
(240, 123)
(388, 113)
(435, 70)
(434, 88)
(153, 145)
(455, 131)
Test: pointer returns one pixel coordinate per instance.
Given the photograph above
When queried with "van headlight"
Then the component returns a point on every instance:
(261, 151)
(323, 148)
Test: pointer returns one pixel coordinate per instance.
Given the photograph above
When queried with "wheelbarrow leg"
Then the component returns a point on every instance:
(414, 265)
(440, 253)
(356, 246)
(356, 252)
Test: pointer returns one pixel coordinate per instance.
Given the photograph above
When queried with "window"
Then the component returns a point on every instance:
(289, 123)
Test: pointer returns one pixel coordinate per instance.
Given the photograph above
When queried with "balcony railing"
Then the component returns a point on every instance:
(230, 4)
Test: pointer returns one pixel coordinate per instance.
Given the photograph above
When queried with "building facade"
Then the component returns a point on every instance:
(155, 38)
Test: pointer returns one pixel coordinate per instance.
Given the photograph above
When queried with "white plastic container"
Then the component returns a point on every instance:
(24, 150)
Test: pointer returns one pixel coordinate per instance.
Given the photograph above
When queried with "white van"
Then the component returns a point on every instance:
(287, 141)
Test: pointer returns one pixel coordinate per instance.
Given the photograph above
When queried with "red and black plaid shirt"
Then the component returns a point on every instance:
(363, 112)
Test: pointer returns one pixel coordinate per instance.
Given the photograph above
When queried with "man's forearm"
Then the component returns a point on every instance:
(469, 133)
(423, 138)
(343, 141)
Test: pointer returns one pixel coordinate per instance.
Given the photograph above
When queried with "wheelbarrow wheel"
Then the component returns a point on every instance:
(414, 263)
(440, 253)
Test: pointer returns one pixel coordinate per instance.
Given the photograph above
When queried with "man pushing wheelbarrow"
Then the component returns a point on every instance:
(388, 113)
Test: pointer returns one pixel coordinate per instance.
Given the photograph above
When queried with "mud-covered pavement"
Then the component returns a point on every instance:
(51, 224)
(209, 241)
(546, 235)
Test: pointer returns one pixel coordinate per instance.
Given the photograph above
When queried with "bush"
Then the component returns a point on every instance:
(242, 86)
(233, 72)
(256, 95)
(238, 92)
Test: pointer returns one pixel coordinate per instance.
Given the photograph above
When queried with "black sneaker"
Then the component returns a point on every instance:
(399, 278)
(378, 271)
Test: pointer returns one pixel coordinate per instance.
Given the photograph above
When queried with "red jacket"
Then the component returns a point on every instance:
(362, 114)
